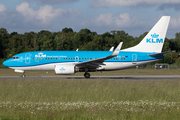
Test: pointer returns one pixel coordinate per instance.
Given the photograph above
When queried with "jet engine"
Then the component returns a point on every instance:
(64, 69)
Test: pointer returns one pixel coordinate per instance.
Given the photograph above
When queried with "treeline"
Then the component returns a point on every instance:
(67, 39)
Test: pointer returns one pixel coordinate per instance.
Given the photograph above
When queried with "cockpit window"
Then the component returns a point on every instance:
(15, 57)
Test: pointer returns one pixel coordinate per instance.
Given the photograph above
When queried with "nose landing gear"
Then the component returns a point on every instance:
(23, 75)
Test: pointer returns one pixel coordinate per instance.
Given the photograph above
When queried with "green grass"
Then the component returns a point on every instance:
(90, 99)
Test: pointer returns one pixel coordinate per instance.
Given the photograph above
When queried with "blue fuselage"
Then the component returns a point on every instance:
(45, 60)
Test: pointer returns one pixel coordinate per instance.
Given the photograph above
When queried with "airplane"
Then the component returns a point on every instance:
(70, 62)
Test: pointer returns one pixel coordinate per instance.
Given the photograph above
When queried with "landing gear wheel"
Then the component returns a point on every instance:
(86, 75)
(23, 76)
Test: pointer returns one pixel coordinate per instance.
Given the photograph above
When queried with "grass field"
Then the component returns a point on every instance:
(90, 99)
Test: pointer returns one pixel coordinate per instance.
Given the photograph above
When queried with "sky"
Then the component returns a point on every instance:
(133, 16)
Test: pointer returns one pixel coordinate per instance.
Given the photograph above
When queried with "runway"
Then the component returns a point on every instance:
(97, 77)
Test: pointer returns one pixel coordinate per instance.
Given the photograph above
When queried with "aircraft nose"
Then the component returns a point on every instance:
(6, 63)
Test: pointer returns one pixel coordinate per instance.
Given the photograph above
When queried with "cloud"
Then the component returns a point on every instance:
(25, 18)
(122, 21)
(170, 6)
(2, 7)
(26, 11)
(130, 3)
(52, 2)
(175, 22)
(110, 20)
(45, 14)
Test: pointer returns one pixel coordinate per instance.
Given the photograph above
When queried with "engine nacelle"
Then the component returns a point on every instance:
(64, 69)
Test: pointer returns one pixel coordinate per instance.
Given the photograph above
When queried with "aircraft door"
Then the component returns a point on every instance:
(28, 58)
(134, 59)
(76, 59)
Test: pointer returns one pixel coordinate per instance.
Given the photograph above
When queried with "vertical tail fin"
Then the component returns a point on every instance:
(154, 40)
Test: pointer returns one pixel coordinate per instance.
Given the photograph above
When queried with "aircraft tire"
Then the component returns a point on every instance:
(86, 75)
(23, 76)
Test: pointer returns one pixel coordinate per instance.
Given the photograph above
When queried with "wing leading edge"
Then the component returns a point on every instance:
(97, 62)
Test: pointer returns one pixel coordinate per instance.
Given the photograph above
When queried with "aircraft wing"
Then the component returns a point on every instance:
(97, 62)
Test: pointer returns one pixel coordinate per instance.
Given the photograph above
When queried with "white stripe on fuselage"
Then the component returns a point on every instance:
(106, 66)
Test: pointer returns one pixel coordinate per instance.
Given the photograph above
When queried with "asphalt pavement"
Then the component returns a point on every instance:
(148, 77)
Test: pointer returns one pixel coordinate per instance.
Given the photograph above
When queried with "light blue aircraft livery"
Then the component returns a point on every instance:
(70, 62)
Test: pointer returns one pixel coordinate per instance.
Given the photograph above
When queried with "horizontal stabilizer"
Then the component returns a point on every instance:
(159, 54)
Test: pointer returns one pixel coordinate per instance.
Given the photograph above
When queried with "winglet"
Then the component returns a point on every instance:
(117, 50)
(112, 48)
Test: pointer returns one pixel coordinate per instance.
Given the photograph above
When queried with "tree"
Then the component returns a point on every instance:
(166, 46)
(83, 37)
(3, 41)
(85, 31)
(67, 30)
(169, 58)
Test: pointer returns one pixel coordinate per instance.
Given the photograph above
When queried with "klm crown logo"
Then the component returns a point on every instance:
(117, 49)
(154, 35)
(62, 69)
(154, 39)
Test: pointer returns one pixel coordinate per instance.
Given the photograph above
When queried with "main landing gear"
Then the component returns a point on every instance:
(86, 75)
